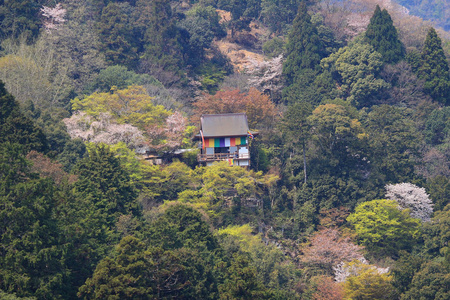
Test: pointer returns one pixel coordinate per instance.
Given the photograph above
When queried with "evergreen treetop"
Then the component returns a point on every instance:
(15, 127)
(382, 35)
(434, 68)
(304, 49)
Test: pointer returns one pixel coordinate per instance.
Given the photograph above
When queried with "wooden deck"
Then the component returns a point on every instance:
(222, 156)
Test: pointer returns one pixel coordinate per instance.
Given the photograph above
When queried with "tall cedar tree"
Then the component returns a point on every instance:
(103, 180)
(382, 35)
(434, 69)
(304, 49)
(15, 127)
(31, 258)
(116, 35)
(156, 26)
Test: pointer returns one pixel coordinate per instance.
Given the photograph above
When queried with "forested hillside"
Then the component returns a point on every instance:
(347, 196)
(436, 11)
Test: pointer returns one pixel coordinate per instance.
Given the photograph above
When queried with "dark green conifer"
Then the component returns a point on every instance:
(15, 127)
(116, 35)
(31, 258)
(382, 35)
(434, 69)
(103, 181)
(156, 26)
(304, 49)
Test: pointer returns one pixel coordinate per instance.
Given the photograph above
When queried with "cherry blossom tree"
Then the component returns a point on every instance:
(412, 197)
(54, 16)
(328, 289)
(103, 129)
(169, 136)
(46, 168)
(344, 270)
(266, 76)
(328, 248)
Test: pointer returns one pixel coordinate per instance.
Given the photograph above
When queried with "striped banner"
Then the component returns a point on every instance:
(225, 142)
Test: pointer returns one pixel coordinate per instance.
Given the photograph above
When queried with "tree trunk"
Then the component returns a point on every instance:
(304, 160)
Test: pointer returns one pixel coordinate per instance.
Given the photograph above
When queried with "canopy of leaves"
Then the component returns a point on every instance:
(368, 284)
(382, 226)
(260, 110)
(356, 69)
(132, 105)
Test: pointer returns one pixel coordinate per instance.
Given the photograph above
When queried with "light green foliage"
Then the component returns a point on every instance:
(161, 183)
(382, 226)
(356, 67)
(31, 73)
(332, 124)
(368, 284)
(6, 296)
(132, 105)
(243, 234)
(215, 181)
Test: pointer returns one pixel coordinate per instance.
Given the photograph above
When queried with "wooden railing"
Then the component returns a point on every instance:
(222, 156)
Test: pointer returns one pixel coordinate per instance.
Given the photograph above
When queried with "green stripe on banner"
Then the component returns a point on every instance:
(216, 142)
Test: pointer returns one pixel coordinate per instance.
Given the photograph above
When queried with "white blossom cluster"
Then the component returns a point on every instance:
(412, 197)
(344, 270)
(266, 75)
(55, 16)
(103, 130)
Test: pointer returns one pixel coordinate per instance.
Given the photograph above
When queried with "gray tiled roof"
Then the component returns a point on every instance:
(224, 125)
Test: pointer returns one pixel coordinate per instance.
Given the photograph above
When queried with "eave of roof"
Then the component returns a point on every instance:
(223, 125)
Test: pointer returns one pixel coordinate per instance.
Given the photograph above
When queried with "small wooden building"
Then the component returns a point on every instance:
(224, 137)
